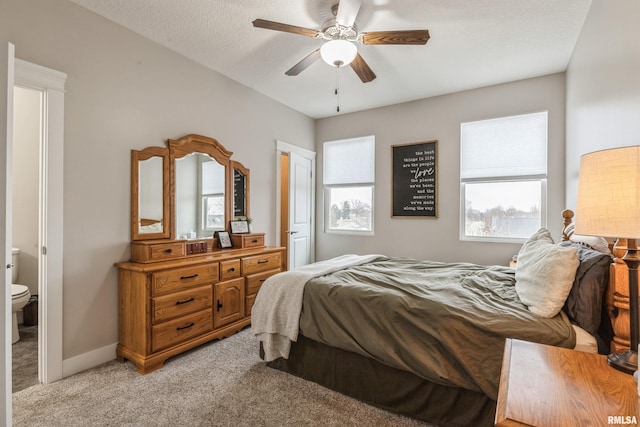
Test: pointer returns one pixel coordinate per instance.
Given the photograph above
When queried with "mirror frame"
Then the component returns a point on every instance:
(179, 148)
(236, 165)
(136, 157)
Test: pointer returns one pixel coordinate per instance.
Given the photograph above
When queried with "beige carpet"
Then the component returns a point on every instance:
(223, 383)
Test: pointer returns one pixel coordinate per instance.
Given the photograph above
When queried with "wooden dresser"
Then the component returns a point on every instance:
(542, 385)
(181, 289)
(174, 301)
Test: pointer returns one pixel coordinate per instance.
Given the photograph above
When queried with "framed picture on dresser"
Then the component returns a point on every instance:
(224, 240)
(239, 227)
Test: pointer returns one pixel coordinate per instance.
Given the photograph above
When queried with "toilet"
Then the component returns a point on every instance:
(20, 296)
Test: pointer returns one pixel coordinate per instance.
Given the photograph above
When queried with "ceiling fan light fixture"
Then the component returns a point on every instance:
(338, 53)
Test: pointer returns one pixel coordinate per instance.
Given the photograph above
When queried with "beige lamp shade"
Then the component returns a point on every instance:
(609, 193)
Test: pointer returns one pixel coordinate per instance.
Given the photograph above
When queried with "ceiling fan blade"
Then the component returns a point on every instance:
(304, 64)
(362, 69)
(277, 26)
(396, 37)
(347, 12)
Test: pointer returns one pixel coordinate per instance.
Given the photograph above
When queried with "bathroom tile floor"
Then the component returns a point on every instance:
(25, 358)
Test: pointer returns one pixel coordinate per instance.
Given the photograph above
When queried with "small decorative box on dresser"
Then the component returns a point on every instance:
(251, 240)
(169, 306)
(180, 289)
(542, 385)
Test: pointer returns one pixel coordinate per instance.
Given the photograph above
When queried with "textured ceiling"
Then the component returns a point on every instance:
(473, 43)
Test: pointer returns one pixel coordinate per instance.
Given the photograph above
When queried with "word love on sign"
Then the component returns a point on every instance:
(415, 179)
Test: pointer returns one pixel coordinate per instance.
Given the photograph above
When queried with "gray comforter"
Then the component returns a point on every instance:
(443, 322)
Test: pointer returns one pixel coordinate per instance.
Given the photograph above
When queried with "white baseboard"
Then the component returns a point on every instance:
(88, 360)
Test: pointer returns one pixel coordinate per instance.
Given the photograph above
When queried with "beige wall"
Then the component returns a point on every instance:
(439, 118)
(124, 92)
(603, 85)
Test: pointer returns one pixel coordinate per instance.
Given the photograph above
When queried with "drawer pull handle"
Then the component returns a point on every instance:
(169, 250)
(255, 241)
(219, 305)
(232, 269)
(185, 301)
(193, 276)
(185, 327)
(264, 261)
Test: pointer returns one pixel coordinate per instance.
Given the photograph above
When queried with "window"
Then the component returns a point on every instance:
(349, 175)
(503, 177)
(212, 181)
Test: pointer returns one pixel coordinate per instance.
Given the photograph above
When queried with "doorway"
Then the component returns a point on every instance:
(42, 251)
(296, 204)
(24, 238)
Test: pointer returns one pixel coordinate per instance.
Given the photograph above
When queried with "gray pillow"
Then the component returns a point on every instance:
(584, 303)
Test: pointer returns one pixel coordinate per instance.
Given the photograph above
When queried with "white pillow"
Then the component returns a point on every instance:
(599, 244)
(545, 274)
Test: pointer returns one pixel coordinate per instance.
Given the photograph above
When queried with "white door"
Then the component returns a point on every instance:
(300, 211)
(6, 138)
(297, 175)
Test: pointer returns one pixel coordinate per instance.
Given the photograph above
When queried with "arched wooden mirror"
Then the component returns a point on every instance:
(150, 215)
(202, 186)
(189, 190)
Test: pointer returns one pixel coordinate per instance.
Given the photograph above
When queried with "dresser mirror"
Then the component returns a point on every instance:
(189, 190)
(240, 190)
(199, 196)
(150, 194)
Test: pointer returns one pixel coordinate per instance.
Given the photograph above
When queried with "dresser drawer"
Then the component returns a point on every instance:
(152, 252)
(229, 269)
(175, 331)
(180, 303)
(259, 263)
(254, 240)
(166, 251)
(254, 281)
(167, 281)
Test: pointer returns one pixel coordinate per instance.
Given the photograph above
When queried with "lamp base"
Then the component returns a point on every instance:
(627, 361)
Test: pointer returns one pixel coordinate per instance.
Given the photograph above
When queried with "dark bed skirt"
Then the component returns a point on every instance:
(385, 387)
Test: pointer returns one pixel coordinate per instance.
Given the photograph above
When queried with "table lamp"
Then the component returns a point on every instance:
(608, 205)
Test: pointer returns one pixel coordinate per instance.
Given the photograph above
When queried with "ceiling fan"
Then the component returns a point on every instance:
(340, 35)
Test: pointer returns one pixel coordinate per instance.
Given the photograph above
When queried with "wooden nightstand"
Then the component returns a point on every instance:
(542, 385)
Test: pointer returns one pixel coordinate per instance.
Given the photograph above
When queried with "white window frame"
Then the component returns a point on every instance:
(205, 229)
(205, 212)
(344, 184)
(538, 177)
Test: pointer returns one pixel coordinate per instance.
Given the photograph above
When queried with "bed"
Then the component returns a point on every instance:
(425, 339)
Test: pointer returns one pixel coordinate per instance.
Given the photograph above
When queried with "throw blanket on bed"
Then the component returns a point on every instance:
(276, 328)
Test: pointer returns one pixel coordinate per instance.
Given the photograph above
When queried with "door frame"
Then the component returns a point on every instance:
(50, 216)
(286, 148)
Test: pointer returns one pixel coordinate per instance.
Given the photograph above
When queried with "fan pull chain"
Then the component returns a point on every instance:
(337, 92)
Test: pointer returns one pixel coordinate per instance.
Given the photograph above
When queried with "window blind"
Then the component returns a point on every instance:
(502, 147)
(212, 178)
(349, 161)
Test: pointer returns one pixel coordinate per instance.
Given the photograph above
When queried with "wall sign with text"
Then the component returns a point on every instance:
(414, 171)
